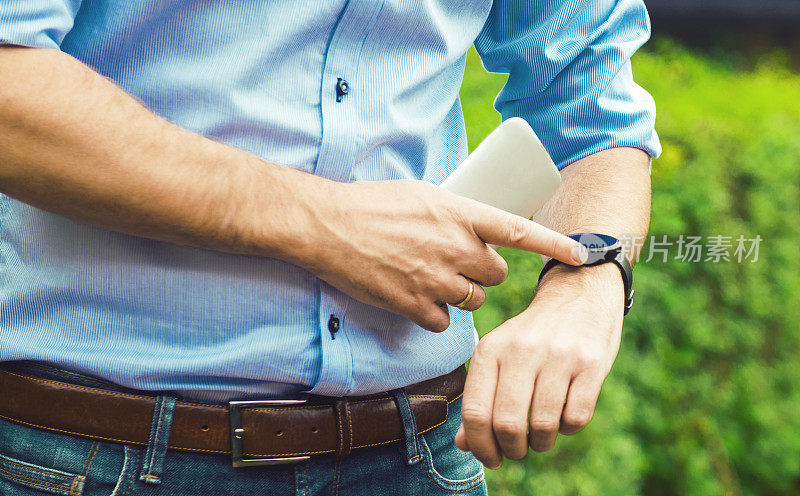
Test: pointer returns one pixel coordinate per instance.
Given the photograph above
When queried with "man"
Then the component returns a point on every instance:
(263, 223)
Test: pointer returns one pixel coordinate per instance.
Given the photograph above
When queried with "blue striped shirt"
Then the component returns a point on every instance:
(262, 76)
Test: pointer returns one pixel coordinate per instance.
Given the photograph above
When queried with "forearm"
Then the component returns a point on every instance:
(73, 143)
(608, 193)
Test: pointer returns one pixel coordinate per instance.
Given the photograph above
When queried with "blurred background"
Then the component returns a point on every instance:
(704, 397)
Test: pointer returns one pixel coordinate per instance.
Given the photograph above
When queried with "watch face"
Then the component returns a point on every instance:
(601, 247)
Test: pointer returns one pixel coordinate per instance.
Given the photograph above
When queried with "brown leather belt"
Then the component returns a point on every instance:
(254, 432)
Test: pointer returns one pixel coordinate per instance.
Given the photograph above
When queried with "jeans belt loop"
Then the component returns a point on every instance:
(410, 431)
(153, 464)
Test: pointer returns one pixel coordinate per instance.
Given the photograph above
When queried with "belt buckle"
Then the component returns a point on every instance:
(235, 410)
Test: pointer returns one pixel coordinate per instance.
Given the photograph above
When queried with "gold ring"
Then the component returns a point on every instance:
(467, 298)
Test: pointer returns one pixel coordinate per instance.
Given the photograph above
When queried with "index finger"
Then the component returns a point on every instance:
(497, 227)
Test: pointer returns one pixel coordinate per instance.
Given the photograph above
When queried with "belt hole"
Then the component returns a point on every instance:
(204, 428)
(279, 433)
(314, 429)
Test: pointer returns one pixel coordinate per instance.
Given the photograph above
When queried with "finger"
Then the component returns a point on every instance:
(478, 298)
(461, 439)
(511, 405)
(497, 227)
(430, 316)
(476, 410)
(548, 403)
(486, 266)
(459, 289)
(581, 401)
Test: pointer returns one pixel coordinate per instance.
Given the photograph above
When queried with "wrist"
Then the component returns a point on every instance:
(282, 209)
(598, 285)
(582, 277)
(313, 208)
(602, 249)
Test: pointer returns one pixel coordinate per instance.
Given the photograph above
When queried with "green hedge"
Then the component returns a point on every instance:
(703, 399)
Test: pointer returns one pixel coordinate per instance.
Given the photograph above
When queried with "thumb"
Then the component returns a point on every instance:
(461, 439)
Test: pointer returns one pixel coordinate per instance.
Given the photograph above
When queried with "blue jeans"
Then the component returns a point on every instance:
(34, 462)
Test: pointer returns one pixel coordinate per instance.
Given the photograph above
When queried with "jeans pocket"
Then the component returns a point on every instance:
(451, 469)
(17, 474)
(36, 462)
(102, 475)
(127, 475)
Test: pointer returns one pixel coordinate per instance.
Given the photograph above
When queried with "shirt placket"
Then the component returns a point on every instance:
(339, 96)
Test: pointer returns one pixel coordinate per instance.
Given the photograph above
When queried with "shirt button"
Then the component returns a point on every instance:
(333, 326)
(342, 88)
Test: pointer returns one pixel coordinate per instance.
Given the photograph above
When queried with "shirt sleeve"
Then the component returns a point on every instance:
(569, 71)
(36, 23)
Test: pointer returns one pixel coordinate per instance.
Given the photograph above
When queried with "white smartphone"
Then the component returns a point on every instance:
(510, 170)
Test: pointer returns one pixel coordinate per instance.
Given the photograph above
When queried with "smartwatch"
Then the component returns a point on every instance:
(602, 249)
